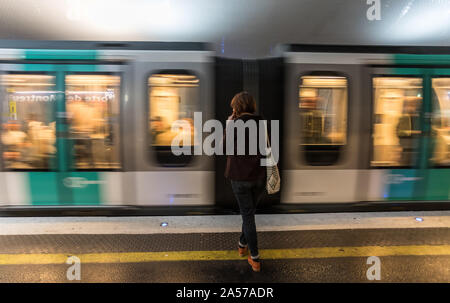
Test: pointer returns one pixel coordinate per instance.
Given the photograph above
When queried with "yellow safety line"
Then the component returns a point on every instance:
(294, 253)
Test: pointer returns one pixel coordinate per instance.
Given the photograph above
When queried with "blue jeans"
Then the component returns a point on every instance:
(248, 194)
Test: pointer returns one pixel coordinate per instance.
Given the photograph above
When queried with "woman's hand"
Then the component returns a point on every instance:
(232, 116)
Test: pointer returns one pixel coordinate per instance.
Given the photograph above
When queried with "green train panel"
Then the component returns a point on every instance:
(411, 128)
(60, 130)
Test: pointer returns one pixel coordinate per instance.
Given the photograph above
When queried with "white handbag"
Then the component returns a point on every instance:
(273, 176)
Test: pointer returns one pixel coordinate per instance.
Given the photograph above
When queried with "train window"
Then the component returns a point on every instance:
(172, 97)
(396, 129)
(323, 114)
(441, 121)
(92, 105)
(28, 123)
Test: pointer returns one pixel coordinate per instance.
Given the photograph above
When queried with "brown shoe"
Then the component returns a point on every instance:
(256, 265)
(243, 251)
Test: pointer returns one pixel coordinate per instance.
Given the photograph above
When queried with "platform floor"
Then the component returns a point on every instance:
(407, 254)
(294, 248)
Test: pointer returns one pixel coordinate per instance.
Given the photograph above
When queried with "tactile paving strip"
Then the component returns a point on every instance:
(220, 241)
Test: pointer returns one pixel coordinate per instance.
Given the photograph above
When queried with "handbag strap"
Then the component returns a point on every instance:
(268, 147)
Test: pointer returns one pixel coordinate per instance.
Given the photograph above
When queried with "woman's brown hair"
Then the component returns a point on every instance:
(243, 102)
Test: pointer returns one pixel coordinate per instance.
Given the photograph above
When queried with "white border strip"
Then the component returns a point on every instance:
(220, 224)
(337, 58)
(139, 55)
(17, 188)
(157, 56)
(11, 54)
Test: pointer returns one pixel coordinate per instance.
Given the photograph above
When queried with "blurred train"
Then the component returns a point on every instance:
(89, 123)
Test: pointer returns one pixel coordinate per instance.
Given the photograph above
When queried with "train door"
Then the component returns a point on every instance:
(438, 152)
(60, 132)
(409, 129)
(229, 81)
(29, 148)
(93, 163)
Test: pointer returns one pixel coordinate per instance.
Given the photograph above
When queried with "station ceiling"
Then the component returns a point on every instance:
(237, 28)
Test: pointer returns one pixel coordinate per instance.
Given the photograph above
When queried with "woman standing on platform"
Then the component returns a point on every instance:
(248, 177)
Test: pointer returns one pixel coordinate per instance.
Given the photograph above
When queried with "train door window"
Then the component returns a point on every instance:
(323, 101)
(28, 121)
(172, 97)
(92, 104)
(396, 128)
(441, 121)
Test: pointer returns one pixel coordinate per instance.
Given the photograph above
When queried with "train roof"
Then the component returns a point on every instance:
(104, 45)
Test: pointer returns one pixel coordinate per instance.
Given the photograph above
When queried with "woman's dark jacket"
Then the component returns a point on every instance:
(245, 167)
